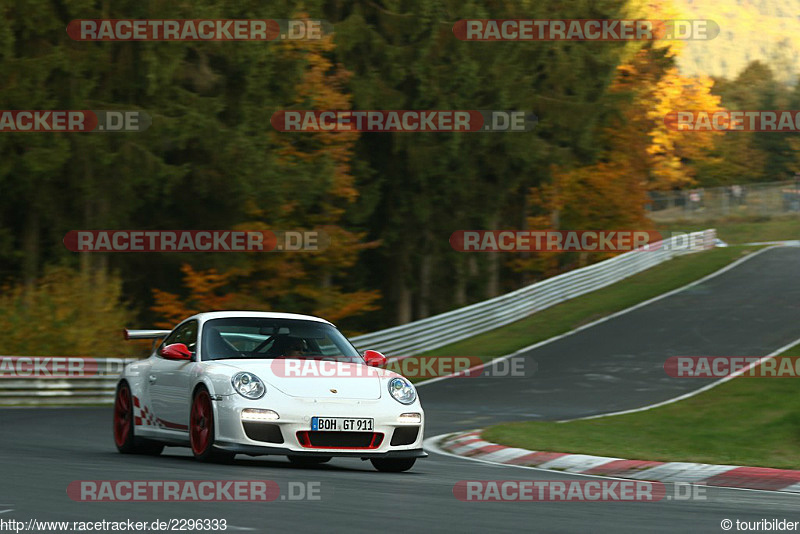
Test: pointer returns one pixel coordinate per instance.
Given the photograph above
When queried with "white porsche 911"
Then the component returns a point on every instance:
(257, 383)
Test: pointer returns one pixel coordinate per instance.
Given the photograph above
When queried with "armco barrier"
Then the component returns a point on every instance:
(399, 341)
(42, 390)
(443, 329)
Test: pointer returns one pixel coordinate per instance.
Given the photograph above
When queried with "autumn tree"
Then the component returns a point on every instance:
(313, 192)
(206, 292)
(66, 313)
(743, 157)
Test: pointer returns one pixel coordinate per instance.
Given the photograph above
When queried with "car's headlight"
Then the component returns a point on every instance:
(402, 390)
(248, 385)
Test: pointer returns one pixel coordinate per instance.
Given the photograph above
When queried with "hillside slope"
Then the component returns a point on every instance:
(765, 30)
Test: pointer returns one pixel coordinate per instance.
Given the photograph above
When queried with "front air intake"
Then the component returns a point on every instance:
(265, 432)
(339, 440)
(405, 435)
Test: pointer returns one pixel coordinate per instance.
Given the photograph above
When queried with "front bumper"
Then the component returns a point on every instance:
(295, 421)
(262, 450)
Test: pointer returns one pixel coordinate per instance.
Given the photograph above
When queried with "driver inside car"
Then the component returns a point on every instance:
(297, 347)
(288, 347)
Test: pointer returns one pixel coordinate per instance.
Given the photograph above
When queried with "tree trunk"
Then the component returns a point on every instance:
(493, 271)
(101, 259)
(493, 275)
(423, 304)
(30, 247)
(460, 289)
(401, 293)
(85, 258)
(524, 192)
(403, 303)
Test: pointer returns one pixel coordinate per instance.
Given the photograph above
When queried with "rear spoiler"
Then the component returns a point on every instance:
(145, 334)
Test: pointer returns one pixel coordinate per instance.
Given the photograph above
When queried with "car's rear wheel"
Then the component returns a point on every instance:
(309, 461)
(201, 430)
(393, 465)
(124, 437)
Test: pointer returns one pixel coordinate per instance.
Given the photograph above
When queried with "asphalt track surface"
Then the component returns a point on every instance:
(752, 309)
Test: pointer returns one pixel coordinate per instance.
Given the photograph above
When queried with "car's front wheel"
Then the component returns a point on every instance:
(393, 465)
(124, 438)
(201, 430)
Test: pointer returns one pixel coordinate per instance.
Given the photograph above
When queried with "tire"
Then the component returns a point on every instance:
(124, 437)
(149, 448)
(309, 461)
(201, 430)
(393, 465)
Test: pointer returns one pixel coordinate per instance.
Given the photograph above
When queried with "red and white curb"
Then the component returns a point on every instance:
(471, 445)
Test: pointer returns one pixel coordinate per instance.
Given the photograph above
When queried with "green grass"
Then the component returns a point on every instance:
(739, 230)
(746, 421)
(592, 306)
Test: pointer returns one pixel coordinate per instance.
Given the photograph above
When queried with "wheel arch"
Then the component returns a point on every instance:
(206, 384)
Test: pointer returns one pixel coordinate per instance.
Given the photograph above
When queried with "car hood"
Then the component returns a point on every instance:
(314, 378)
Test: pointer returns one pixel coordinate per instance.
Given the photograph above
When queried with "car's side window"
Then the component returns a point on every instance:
(186, 334)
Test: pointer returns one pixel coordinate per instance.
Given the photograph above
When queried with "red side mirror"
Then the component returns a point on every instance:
(176, 351)
(374, 358)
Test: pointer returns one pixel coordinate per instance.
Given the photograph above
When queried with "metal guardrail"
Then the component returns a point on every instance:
(456, 325)
(39, 390)
(396, 342)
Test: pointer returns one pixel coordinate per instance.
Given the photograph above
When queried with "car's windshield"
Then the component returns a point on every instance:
(261, 338)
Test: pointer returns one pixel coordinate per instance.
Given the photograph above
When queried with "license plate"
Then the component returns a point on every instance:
(342, 424)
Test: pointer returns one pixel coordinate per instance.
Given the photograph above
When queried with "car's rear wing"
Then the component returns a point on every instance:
(145, 334)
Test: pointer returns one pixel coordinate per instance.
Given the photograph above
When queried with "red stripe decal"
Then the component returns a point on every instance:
(174, 426)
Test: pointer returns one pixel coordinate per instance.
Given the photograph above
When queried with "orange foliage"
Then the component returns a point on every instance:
(203, 286)
(670, 150)
(642, 154)
(661, 157)
(322, 88)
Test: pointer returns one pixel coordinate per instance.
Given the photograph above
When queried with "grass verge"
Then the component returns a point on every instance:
(739, 230)
(746, 421)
